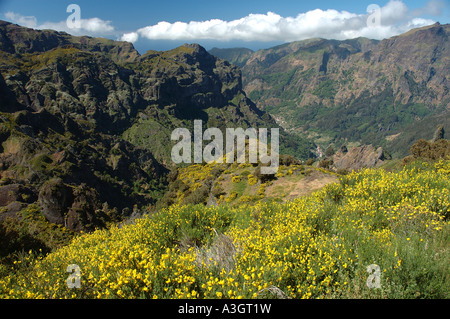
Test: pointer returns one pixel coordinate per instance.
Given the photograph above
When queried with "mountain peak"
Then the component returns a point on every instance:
(21, 40)
(434, 28)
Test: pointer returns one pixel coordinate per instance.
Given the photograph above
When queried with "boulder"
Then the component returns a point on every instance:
(55, 198)
(15, 193)
(365, 156)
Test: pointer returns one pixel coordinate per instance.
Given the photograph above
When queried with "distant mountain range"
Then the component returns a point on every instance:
(360, 91)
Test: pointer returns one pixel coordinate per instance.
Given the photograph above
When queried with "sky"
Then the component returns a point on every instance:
(255, 24)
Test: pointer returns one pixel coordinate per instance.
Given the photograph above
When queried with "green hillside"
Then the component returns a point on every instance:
(316, 246)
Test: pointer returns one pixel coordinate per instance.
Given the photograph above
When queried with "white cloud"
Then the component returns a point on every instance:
(395, 16)
(29, 22)
(92, 26)
(130, 37)
(96, 25)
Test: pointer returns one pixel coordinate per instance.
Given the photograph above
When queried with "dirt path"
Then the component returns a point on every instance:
(293, 188)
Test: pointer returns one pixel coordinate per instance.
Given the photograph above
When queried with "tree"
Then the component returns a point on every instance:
(329, 151)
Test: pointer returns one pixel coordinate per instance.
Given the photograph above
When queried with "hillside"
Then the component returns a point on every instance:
(237, 184)
(317, 246)
(387, 93)
(236, 56)
(79, 118)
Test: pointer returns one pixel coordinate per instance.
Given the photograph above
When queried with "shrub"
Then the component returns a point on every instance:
(342, 171)
(236, 179)
(217, 191)
(264, 177)
(198, 196)
(252, 180)
(288, 160)
(329, 151)
(423, 149)
(326, 163)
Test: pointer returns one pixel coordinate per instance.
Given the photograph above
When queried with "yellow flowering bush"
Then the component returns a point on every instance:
(252, 180)
(313, 247)
(236, 179)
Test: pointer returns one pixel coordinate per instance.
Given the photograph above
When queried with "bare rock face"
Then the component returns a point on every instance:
(77, 208)
(15, 193)
(55, 198)
(13, 198)
(365, 156)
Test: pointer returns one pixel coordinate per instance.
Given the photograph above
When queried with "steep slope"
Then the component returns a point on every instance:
(85, 123)
(64, 105)
(63, 100)
(16, 39)
(360, 90)
(188, 83)
(236, 56)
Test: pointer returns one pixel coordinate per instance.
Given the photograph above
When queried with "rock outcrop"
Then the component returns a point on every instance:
(356, 158)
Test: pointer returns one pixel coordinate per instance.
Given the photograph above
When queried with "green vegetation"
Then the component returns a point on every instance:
(357, 91)
(326, 89)
(317, 246)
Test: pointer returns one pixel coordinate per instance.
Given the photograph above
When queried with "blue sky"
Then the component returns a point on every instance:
(164, 24)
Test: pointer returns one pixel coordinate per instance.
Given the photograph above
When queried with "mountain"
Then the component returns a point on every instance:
(18, 40)
(85, 123)
(236, 56)
(359, 91)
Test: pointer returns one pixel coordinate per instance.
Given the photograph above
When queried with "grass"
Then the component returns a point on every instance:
(240, 187)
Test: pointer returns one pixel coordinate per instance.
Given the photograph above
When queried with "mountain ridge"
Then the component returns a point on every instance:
(355, 91)
(17, 39)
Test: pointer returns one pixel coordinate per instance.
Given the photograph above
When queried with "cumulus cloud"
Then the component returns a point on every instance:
(395, 18)
(130, 37)
(94, 26)
(26, 21)
(91, 26)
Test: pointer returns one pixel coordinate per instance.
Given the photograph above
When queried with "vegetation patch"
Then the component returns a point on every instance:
(318, 246)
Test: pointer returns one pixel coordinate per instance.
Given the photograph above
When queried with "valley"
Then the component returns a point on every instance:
(387, 93)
